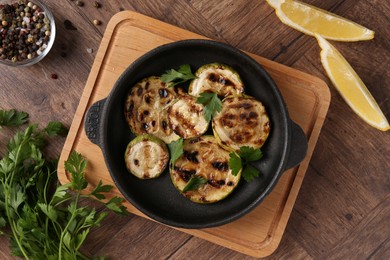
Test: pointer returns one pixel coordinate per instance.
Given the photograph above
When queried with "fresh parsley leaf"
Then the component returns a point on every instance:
(235, 163)
(250, 154)
(175, 149)
(12, 117)
(49, 211)
(61, 193)
(241, 161)
(212, 104)
(17, 197)
(181, 75)
(76, 165)
(115, 205)
(56, 129)
(194, 183)
(250, 172)
(99, 189)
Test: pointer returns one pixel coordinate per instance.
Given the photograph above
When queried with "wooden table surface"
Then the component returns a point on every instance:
(343, 207)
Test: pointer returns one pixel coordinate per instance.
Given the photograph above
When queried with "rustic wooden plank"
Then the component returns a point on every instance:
(369, 239)
(324, 216)
(290, 248)
(232, 18)
(180, 13)
(112, 224)
(196, 248)
(5, 252)
(142, 239)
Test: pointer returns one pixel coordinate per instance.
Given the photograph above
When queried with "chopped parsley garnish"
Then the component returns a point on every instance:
(241, 161)
(176, 149)
(194, 183)
(181, 75)
(212, 104)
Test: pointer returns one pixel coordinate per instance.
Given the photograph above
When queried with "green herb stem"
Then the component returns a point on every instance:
(13, 225)
(6, 193)
(67, 225)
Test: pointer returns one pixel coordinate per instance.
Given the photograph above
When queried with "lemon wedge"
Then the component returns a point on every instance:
(312, 20)
(350, 86)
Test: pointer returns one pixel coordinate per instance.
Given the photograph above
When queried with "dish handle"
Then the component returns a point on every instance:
(92, 121)
(298, 148)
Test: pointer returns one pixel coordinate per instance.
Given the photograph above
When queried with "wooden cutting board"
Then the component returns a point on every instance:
(127, 37)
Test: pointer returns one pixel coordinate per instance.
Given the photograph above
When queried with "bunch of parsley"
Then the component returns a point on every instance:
(44, 219)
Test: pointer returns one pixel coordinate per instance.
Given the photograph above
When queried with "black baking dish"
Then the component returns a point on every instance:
(105, 126)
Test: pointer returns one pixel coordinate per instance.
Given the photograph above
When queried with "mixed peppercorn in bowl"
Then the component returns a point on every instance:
(27, 32)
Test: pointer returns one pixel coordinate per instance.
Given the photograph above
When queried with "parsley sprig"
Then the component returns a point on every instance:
(44, 220)
(194, 183)
(181, 75)
(12, 118)
(241, 161)
(176, 149)
(212, 104)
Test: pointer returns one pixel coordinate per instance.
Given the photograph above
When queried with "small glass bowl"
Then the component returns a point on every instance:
(28, 62)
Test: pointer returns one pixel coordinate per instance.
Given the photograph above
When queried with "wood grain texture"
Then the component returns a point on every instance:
(342, 211)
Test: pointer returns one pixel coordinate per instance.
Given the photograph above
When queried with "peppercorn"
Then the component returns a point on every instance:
(54, 76)
(80, 3)
(97, 22)
(96, 4)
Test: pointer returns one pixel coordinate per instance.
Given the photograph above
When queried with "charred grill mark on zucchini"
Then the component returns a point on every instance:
(194, 140)
(191, 156)
(186, 117)
(216, 183)
(184, 174)
(146, 156)
(146, 109)
(217, 78)
(203, 157)
(243, 121)
(163, 92)
(221, 166)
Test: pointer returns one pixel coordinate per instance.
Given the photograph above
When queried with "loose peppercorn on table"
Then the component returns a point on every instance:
(334, 205)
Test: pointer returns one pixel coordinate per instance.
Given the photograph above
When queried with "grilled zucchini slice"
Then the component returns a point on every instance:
(243, 121)
(146, 156)
(204, 158)
(217, 78)
(146, 108)
(186, 117)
